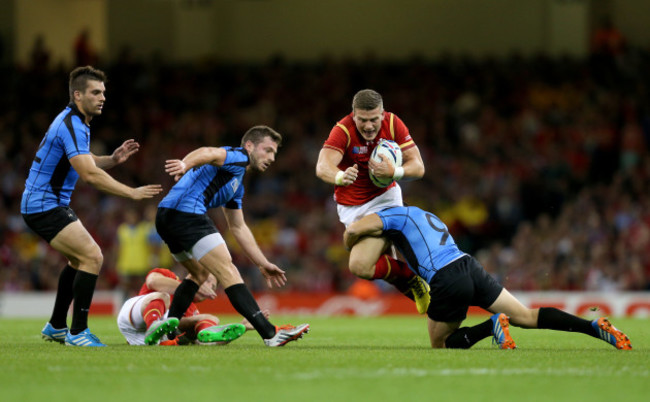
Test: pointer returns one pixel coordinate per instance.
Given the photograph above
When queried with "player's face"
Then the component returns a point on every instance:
(368, 122)
(91, 101)
(262, 154)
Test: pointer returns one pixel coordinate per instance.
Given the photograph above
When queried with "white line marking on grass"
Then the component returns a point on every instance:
(463, 372)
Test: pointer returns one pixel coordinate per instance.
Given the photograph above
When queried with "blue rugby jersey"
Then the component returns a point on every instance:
(210, 186)
(421, 237)
(51, 177)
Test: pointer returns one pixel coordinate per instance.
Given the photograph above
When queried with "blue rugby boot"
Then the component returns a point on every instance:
(83, 338)
(51, 334)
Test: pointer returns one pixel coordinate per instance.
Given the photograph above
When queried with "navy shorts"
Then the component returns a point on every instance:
(457, 286)
(49, 223)
(181, 230)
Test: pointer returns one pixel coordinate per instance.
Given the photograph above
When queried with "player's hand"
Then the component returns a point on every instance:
(350, 175)
(147, 191)
(206, 291)
(273, 275)
(383, 169)
(176, 168)
(124, 151)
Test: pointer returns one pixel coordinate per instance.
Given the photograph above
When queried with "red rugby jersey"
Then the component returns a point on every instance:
(144, 290)
(346, 139)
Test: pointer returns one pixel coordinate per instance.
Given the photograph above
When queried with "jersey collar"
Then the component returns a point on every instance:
(76, 111)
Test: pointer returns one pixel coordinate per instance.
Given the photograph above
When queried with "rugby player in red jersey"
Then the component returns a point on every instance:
(345, 162)
(141, 316)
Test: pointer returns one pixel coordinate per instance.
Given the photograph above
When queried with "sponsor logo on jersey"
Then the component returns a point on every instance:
(360, 150)
(234, 183)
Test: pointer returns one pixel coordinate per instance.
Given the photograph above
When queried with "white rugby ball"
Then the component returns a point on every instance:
(390, 151)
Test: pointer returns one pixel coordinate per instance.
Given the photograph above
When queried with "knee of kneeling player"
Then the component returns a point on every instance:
(362, 268)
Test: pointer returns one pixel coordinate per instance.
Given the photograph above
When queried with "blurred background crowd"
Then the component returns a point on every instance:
(539, 165)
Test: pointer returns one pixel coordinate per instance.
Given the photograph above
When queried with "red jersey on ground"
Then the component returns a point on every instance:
(346, 139)
(144, 290)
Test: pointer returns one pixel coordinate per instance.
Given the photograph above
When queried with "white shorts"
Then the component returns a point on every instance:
(130, 321)
(348, 214)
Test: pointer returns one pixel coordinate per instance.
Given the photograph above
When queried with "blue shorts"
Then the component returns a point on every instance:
(49, 223)
(182, 230)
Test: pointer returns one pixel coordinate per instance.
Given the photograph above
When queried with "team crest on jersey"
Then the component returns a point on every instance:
(360, 150)
(234, 184)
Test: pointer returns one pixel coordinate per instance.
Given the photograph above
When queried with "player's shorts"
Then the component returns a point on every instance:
(187, 235)
(130, 321)
(348, 214)
(49, 223)
(458, 285)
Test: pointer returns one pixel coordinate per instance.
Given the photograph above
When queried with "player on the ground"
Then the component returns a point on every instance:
(458, 281)
(211, 177)
(345, 162)
(143, 319)
(62, 157)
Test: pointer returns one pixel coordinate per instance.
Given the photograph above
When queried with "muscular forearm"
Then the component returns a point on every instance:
(413, 165)
(104, 182)
(248, 244)
(327, 173)
(104, 162)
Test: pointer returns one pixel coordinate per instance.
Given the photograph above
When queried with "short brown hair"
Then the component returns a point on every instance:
(79, 79)
(367, 99)
(257, 133)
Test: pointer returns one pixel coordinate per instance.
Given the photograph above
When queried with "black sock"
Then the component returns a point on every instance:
(466, 337)
(64, 296)
(83, 289)
(242, 300)
(183, 297)
(552, 318)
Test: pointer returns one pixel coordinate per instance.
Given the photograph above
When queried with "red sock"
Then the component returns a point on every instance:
(395, 272)
(390, 269)
(203, 324)
(154, 310)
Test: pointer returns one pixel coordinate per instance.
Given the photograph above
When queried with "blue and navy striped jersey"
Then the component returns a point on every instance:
(209, 186)
(51, 178)
(421, 237)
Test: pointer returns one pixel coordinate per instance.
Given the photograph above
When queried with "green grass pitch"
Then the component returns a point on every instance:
(342, 359)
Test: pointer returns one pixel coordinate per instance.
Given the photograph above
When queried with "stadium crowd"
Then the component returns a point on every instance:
(539, 165)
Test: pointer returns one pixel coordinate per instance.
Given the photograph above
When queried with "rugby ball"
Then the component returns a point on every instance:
(390, 151)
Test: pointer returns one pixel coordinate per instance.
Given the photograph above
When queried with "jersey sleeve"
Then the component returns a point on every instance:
(74, 137)
(392, 219)
(339, 139)
(236, 200)
(401, 133)
(236, 156)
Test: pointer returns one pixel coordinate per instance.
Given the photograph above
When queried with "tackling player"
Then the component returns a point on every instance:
(458, 281)
(345, 161)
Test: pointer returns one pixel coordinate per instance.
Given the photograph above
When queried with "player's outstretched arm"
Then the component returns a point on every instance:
(198, 157)
(245, 238)
(91, 174)
(369, 225)
(120, 155)
(328, 171)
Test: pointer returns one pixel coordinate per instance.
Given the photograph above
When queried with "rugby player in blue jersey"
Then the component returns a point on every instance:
(62, 157)
(458, 280)
(212, 177)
